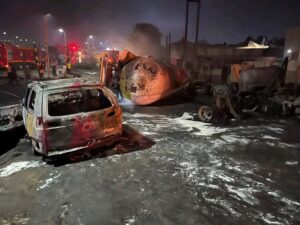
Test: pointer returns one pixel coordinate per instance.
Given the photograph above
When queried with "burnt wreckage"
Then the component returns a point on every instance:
(258, 89)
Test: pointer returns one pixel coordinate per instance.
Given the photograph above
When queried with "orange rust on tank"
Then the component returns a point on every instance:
(146, 80)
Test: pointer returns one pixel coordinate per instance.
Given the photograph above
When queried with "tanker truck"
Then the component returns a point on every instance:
(145, 81)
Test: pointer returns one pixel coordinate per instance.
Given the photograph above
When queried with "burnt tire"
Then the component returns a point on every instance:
(206, 114)
(270, 108)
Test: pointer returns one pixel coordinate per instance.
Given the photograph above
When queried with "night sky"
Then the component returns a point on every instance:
(221, 20)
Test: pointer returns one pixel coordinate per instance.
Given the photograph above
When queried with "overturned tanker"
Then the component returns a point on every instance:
(145, 80)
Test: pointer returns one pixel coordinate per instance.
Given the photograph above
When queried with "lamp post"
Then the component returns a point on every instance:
(46, 42)
(90, 48)
(65, 39)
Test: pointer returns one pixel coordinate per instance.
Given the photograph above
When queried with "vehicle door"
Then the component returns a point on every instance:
(30, 118)
(25, 105)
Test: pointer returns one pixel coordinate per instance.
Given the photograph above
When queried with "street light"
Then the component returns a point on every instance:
(90, 48)
(65, 38)
(4, 33)
(289, 51)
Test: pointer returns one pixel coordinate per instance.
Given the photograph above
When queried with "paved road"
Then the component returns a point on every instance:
(168, 168)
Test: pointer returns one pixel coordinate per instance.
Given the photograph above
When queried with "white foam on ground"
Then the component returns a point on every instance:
(148, 133)
(130, 220)
(244, 194)
(230, 138)
(186, 116)
(49, 181)
(204, 129)
(291, 163)
(269, 219)
(270, 137)
(282, 144)
(275, 129)
(18, 166)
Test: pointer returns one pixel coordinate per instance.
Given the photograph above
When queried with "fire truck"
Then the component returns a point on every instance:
(19, 56)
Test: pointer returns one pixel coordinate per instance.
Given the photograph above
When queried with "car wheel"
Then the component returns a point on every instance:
(270, 108)
(205, 114)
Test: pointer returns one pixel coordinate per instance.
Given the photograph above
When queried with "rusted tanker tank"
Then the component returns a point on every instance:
(145, 80)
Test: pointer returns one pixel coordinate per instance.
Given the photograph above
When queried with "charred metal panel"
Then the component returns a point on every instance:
(10, 117)
(256, 78)
(83, 129)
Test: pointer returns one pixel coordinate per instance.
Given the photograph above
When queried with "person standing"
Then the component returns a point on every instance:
(69, 67)
(27, 72)
(41, 68)
(12, 74)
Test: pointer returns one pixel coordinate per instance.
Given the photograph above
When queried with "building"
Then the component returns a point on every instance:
(292, 50)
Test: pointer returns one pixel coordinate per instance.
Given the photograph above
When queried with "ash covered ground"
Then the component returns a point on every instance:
(168, 168)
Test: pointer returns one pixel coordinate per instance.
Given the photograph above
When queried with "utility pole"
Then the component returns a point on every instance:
(46, 42)
(187, 24)
(197, 20)
(65, 39)
(186, 30)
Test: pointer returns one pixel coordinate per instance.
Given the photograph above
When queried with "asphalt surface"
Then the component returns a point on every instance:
(168, 168)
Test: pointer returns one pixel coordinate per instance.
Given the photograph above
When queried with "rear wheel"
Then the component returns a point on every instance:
(205, 114)
(270, 108)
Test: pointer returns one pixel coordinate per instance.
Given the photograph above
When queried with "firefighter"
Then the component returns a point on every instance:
(54, 69)
(12, 74)
(42, 66)
(27, 72)
(69, 67)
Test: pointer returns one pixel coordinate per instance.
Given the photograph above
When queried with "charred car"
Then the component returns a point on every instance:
(10, 112)
(62, 116)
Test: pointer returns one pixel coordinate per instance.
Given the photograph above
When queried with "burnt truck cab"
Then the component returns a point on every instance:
(62, 116)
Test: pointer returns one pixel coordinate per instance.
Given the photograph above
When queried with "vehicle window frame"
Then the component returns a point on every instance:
(46, 106)
(28, 103)
(26, 97)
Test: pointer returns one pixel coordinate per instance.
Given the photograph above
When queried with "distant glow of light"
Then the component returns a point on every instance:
(91, 36)
(86, 43)
(4, 33)
(101, 43)
(107, 49)
(17, 37)
(26, 39)
(61, 30)
(289, 51)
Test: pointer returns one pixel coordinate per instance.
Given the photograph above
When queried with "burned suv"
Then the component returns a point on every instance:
(62, 116)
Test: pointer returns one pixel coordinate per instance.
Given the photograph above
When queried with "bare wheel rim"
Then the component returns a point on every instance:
(205, 113)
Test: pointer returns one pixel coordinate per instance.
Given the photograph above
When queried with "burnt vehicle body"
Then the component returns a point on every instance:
(69, 115)
(259, 89)
(10, 112)
(10, 117)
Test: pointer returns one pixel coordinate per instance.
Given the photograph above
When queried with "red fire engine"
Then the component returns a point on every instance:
(19, 55)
